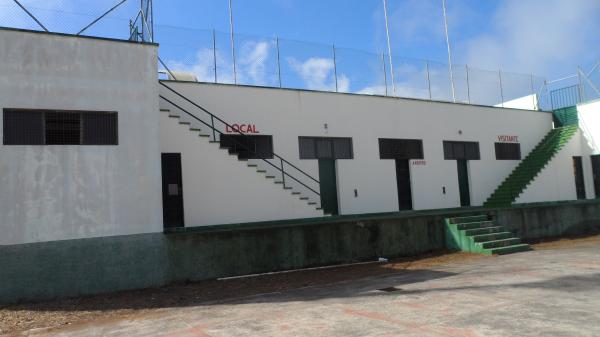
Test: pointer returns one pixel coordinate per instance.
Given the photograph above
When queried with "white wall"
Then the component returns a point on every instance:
(556, 182)
(529, 102)
(69, 192)
(589, 123)
(220, 189)
(287, 114)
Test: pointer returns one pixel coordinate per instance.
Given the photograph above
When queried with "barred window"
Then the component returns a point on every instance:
(249, 146)
(508, 151)
(325, 148)
(454, 150)
(53, 127)
(400, 148)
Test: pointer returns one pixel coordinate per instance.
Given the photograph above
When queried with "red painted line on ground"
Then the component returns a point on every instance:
(197, 331)
(440, 330)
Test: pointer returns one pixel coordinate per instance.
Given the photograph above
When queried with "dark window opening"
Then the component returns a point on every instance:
(249, 147)
(52, 127)
(508, 151)
(325, 148)
(23, 127)
(401, 148)
(596, 173)
(579, 180)
(99, 128)
(454, 150)
(63, 128)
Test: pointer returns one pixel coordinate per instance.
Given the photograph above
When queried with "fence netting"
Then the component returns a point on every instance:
(210, 56)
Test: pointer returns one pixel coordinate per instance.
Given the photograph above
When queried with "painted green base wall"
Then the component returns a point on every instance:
(91, 266)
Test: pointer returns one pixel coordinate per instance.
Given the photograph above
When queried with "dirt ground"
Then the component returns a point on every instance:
(16, 319)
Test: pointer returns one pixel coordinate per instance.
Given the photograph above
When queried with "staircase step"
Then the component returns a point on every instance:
(474, 225)
(492, 236)
(530, 167)
(485, 230)
(523, 247)
(472, 218)
(500, 243)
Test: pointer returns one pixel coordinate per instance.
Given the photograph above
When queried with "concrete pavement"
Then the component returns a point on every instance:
(553, 292)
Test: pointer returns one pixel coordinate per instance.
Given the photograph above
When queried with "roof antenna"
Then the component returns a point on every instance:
(31, 15)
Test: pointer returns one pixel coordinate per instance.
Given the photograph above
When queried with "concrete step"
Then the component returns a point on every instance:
(474, 225)
(485, 230)
(492, 236)
(500, 243)
(473, 218)
(523, 247)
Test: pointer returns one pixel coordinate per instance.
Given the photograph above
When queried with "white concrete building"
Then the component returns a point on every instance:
(94, 145)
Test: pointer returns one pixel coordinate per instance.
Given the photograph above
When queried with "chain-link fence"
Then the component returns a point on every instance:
(572, 90)
(71, 17)
(210, 56)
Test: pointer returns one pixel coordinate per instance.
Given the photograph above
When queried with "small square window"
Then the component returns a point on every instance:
(508, 151)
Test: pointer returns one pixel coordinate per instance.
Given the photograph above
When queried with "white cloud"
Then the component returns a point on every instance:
(202, 66)
(250, 68)
(372, 90)
(317, 73)
(540, 36)
(253, 61)
(416, 20)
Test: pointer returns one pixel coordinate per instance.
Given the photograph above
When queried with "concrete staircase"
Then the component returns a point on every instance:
(477, 234)
(530, 167)
(270, 171)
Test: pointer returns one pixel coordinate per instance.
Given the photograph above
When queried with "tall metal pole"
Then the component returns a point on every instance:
(449, 51)
(215, 53)
(278, 62)
(428, 79)
(581, 89)
(501, 89)
(335, 69)
(384, 73)
(387, 31)
(468, 84)
(232, 42)
(533, 94)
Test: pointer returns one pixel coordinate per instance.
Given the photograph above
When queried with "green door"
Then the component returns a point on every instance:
(327, 178)
(463, 183)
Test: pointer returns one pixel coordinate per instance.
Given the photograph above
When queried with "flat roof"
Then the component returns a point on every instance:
(2, 28)
(351, 94)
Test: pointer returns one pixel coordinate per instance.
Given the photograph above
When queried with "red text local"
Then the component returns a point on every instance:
(243, 128)
(508, 139)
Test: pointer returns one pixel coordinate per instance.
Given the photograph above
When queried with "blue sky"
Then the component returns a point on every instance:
(546, 37)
